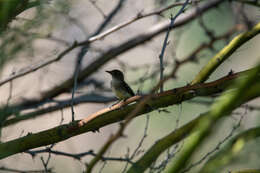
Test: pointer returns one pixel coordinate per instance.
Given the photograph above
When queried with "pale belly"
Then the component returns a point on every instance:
(120, 94)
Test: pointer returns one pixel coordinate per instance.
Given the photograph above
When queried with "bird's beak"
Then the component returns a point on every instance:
(108, 72)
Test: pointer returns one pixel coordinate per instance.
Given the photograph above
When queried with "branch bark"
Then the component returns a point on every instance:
(111, 115)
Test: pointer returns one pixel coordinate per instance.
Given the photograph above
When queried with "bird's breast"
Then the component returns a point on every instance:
(119, 90)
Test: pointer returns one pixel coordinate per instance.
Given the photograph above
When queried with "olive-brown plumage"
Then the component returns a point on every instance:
(119, 86)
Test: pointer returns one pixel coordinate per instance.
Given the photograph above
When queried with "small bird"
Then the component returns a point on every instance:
(119, 86)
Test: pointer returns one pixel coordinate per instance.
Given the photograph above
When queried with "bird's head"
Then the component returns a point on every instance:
(116, 74)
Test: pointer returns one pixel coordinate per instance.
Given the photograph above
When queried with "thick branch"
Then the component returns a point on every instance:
(61, 104)
(174, 137)
(111, 115)
(225, 53)
(248, 88)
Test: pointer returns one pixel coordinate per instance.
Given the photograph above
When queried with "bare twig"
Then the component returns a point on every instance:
(166, 40)
(101, 152)
(170, 154)
(140, 142)
(10, 93)
(134, 19)
(216, 148)
(45, 163)
(93, 2)
(142, 139)
(175, 150)
(77, 156)
(76, 74)
(24, 171)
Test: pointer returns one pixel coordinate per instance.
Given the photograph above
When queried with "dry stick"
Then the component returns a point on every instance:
(100, 36)
(166, 40)
(45, 163)
(76, 73)
(2, 168)
(77, 156)
(93, 2)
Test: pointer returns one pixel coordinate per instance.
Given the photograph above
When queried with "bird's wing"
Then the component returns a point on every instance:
(128, 89)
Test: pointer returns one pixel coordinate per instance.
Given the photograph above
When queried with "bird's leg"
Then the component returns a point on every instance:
(118, 101)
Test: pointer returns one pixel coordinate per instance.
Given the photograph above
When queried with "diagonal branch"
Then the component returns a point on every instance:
(247, 89)
(111, 115)
(225, 53)
(174, 137)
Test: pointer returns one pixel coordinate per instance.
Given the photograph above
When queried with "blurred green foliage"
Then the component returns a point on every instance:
(17, 38)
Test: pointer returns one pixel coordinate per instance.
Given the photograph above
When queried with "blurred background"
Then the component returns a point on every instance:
(43, 32)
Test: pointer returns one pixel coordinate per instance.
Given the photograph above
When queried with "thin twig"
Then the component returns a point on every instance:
(93, 2)
(45, 163)
(217, 147)
(76, 74)
(165, 42)
(77, 156)
(24, 171)
(140, 143)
